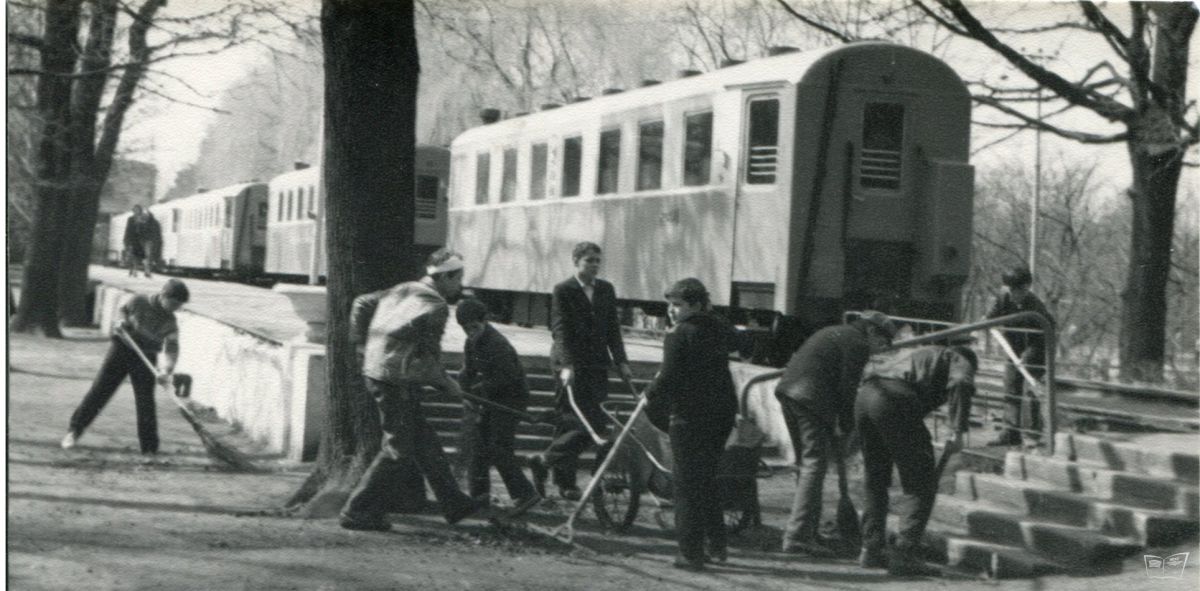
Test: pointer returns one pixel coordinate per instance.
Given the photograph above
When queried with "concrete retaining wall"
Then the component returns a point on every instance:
(259, 384)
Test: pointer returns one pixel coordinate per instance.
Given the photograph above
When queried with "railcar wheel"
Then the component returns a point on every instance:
(617, 498)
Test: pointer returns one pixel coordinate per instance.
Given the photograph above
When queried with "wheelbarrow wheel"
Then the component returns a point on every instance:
(617, 498)
(739, 519)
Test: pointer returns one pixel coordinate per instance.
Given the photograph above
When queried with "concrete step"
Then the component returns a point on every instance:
(1113, 485)
(948, 541)
(1073, 547)
(1167, 455)
(1148, 527)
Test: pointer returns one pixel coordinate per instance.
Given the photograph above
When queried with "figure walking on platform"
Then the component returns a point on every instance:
(150, 322)
(896, 395)
(143, 241)
(816, 393)
(1030, 346)
(403, 354)
(492, 370)
(695, 387)
(587, 340)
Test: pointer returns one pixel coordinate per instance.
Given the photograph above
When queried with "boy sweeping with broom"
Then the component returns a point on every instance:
(150, 322)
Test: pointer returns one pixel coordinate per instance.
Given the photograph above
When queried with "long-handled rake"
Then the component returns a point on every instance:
(216, 449)
(566, 531)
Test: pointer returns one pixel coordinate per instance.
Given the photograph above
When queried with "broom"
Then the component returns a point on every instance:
(222, 452)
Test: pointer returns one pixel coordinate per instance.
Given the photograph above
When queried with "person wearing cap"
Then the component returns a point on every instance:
(402, 328)
(695, 387)
(143, 240)
(150, 323)
(816, 393)
(896, 394)
(1030, 347)
(493, 371)
(587, 341)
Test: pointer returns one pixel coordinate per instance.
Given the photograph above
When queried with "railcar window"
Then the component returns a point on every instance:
(482, 172)
(229, 212)
(763, 142)
(427, 195)
(537, 171)
(291, 214)
(650, 152)
(697, 148)
(312, 200)
(610, 162)
(508, 180)
(572, 165)
(879, 164)
(175, 220)
(261, 221)
(279, 209)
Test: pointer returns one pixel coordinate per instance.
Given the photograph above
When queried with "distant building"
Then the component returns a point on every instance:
(130, 183)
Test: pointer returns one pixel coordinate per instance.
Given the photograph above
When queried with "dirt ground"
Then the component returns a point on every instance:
(103, 517)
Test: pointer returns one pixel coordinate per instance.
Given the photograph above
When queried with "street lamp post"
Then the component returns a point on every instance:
(1037, 189)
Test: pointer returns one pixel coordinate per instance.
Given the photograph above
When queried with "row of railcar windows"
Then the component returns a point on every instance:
(697, 162)
(290, 204)
(200, 218)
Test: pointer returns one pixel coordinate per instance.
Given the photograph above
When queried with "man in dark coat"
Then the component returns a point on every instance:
(816, 393)
(896, 394)
(492, 370)
(697, 388)
(587, 340)
(142, 239)
(1029, 345)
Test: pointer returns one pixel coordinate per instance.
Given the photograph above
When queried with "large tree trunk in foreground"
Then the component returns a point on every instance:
(371, 74)
(38, 310)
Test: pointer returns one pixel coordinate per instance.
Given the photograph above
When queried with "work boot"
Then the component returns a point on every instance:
(688, 564)
(570, 493)
(872, 558)
(472, 507)
(363, 522)
(69, 440)
(717, 554)
(540, 473)
(524, 505)
(1006, 439)
(814, 548)
(905, 563)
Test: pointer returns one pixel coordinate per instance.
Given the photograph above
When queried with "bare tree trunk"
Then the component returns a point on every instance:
(371, 74)
(38, 310)
(1144, 300)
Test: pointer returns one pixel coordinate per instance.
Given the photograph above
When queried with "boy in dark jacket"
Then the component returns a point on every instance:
(1029, 346)
(492, 370)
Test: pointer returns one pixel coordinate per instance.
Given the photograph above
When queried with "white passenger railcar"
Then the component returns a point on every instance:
(297, 199)
(802, 184)
(219, 230)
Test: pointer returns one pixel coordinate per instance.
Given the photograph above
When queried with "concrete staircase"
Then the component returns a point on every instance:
(1094, 503)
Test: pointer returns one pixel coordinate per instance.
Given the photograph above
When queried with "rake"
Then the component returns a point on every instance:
(222, 452)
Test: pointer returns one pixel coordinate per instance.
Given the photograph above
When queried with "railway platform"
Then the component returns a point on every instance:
(1099, 500)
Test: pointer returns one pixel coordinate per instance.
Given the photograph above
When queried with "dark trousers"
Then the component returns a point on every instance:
(696, 449)
(491, 444)
(812, 438)
(122, 361)
(1016, 390)
(893, 433)
(407, 439)
(571, 437)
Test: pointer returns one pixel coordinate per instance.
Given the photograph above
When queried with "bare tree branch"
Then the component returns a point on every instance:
(1035, 123)
(814, 24)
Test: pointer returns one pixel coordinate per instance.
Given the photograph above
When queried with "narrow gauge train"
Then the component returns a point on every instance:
(297, 198)
(795, 186)
(264, 231)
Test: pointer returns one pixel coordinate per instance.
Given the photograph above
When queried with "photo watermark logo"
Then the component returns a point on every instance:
(1170, 567)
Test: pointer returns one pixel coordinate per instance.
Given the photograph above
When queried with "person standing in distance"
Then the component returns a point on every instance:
(404, 354)
(1029, 346)
(587, 340)
(150, 322)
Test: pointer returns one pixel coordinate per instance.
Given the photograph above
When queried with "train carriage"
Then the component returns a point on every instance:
(297, 198)
(115, 252)
(805, 183)
(219, 230)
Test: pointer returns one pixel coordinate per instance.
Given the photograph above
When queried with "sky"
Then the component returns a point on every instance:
(169, 133)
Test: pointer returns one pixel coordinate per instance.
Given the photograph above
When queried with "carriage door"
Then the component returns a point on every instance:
(877, 202)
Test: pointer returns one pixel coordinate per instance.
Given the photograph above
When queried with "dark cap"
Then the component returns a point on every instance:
(1019, 277)
(176, 290)
(690, 290)
(881, 322)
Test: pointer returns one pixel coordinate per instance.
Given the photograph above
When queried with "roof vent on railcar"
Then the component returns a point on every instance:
(202, 189)
(489, 116)
(687, 73)
(775, 50)
(608, 91)
(646, 83)
(299, 165)
(727, 63)
(580, 99)
(550, 106)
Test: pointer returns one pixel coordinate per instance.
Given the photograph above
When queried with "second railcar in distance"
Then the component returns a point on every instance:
(806, 184)
(297, 198)
(217, 231)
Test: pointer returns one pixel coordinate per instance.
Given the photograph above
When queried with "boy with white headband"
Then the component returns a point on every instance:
(402, 327)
